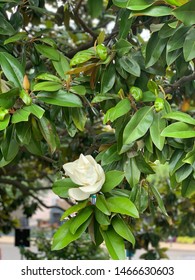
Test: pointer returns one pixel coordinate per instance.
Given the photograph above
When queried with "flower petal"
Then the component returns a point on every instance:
(91, 189)
(77, 194)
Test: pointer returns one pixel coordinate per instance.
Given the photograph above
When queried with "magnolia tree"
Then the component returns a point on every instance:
(104, 91)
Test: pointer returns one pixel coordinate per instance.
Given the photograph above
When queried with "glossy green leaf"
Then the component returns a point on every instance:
(159, 199)
(47, 86)
(185, 13)
(108, 79)
(102, 97)
(6, 28)
(179, 130)
(23, 130)
(132, 172)
(189, 46)
(102, 205)
(122, 47)
(138, 125)
(183, 172)
(166, 31)
(5, 122)
(180, 116)
(80, 219)
(101, 218)
(143, 165)
(117, 111)
(79, 118)
(113, 179)
(20, 115)
(190, 157)
(81, 90)
(12, 69)
(63, 236)
(154, 49)
(172, 56)
(62, 66)
(35, 110)
(49, 133)
(123, 229)
(9, 145)
(35, 147)
(48, 77)
(114, 244)
(82, 56)
(188, 188)
(48, 52)
(177, 40)
(176, 161)
(95, 8)
(8, 99)
(155, 130)
(155, 11)
(110, 155)
(60, 98)
(130, 65)
(17, 37)
(61, 187)
(122, 205)
(73, 209)
(133, 5)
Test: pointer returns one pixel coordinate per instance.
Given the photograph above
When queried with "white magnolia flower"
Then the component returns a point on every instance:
(86, 173)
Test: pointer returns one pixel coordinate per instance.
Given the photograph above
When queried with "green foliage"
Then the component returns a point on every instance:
(84, 86)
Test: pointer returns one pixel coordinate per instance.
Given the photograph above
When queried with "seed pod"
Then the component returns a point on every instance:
(159, 104)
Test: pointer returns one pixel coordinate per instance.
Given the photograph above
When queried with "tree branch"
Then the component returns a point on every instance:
(180, 82)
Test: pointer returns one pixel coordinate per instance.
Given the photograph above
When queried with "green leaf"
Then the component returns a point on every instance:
(61, 187)
(102, 205)
(159, 199)
(188, 188)
(179, 130)
(49, 133)
(5, 122)
(48, 52)
(12, 69)
(73, 209)
(102, 97)
(183, 172)
(6, 28)
(8, 99)
(114, 244)
(119, 110)
(101, 218)
(133, 5)
(63, 236)
(82, 56)
(190, 157)
(20, 115)
(122, 205)
(189, 46)
(180, 116)
(95, 8)
(108, 79)
(48, 77)
(60, 98)
(123, 229)
(47, 86)
(130, 65)
(110, 155)
(35, 110)
(9, 146)
(177, 40)
(155, 130)
(142, 165)
(122, 47)
(23, 130)
(113, 179)
(138, 125)
(176, 161)
(35, 147)
(132, 172)
(79, 118)
(185, 13)
(81, 90)
(155, 11)
(17, 37)
(62, 66)
(154, 49)
(80, 219)
(172, 56)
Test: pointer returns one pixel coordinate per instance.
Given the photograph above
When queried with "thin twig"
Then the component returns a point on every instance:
(180, 83)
